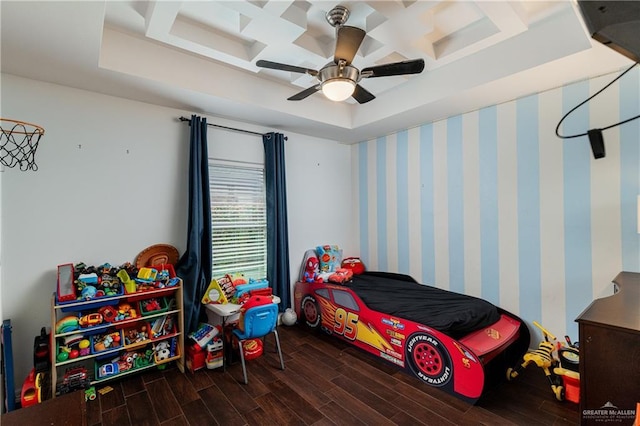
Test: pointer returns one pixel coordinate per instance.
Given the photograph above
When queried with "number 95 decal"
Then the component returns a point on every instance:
(345, 323)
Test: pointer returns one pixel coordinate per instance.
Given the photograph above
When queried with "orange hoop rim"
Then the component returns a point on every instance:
(38, 129)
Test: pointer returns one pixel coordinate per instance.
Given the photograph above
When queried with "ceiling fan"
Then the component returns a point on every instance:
(339, 80)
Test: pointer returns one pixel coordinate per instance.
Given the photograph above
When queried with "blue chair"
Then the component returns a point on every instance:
(258, 322)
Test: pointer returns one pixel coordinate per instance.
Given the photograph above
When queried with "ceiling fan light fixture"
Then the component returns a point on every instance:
(338, 89)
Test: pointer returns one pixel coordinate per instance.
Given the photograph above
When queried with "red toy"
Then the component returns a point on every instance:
(31, 389)
(355, 264)
(341, 275)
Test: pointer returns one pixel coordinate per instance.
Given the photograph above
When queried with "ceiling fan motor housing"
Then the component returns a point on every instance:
(333, 72)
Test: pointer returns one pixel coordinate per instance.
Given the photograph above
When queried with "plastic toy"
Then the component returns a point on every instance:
(569, 370)
(66, 289)
(136, 335)
(219, 291)
(147, 275)
(162, 326)
(108, 370)
(214, 354)
(173, 282)
(90, 319)
(31, 389)
(102, 342)
(129, 284)
(67, 324)
(109, 313)
(41, 358)
(204, 334)
(543, 358)
(88, 292)
(125, 311)
(252, 348)
(252, 285)
(341, 275)
(74, 378)
(237, 279)
(84, 347)
(90, 394)
(150, 305)
(91, 278)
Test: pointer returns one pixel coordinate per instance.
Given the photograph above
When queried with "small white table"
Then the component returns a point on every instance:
(225, 310)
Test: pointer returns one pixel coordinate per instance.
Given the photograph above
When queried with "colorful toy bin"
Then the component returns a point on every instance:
(106, 341)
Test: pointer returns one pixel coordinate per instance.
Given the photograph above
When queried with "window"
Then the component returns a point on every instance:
(345, 299)
(238, 220)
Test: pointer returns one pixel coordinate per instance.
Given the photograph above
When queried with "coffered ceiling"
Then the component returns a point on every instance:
(200, 56)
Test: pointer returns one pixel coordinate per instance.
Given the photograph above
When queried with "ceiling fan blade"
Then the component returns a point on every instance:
(397, 68)
(305, 93)
(347, 43)
(284, 67)
(362, 95)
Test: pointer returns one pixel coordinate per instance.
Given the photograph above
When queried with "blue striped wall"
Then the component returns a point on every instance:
(492, 204)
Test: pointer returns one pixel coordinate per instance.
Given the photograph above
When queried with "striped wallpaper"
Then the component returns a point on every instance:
(492, 204)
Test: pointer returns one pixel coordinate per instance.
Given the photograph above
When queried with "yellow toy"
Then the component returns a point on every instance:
(214, 294)
(220, 291)
(543, 358)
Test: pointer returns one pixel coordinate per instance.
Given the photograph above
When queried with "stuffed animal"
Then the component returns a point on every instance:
(311, 271)
(162, 351)
(355, 264)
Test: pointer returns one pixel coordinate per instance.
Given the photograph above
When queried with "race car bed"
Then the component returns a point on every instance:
(446, 339)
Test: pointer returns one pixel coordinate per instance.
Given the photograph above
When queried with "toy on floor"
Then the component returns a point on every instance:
(569, 370)
(543, 358)
(31, 389)
(90, 394)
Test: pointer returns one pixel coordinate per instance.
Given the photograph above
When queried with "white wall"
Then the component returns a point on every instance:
(112, 180)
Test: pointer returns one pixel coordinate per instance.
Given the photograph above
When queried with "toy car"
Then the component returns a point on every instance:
(74, 378)
(455, 365)
(90, 319)
(108, 370)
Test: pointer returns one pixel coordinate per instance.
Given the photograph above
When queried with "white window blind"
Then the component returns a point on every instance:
(238, 220)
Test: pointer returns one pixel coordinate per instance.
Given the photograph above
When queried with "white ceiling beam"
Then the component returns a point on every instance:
(160, 17)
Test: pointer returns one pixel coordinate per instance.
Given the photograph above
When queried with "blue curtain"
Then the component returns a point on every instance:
(194, 267)
(277, 233)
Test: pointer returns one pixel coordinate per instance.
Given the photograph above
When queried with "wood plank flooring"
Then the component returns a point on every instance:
(325, 382)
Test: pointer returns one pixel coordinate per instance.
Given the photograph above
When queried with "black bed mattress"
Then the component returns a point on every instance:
(400, 295)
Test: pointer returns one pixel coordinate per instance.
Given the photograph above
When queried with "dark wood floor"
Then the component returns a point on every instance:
(325, 382)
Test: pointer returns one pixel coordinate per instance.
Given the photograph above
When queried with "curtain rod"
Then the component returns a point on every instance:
(225, 127)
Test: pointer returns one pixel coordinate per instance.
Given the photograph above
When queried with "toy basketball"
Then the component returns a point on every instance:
(252, 348)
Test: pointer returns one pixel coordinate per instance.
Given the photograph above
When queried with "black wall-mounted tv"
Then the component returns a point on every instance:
(615, 24)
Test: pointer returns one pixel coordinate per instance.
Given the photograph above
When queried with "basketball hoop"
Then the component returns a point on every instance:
(18, 143)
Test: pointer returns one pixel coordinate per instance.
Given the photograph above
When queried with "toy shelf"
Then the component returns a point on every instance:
(81, 371)
(130, 347)
(118, 324)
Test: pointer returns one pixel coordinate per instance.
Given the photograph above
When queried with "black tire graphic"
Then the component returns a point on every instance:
(311, 312)
(428, 359)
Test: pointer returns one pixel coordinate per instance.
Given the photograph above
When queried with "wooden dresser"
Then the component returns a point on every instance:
(610, 355)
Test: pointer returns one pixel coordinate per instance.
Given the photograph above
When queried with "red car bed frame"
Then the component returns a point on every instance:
(457, 366)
